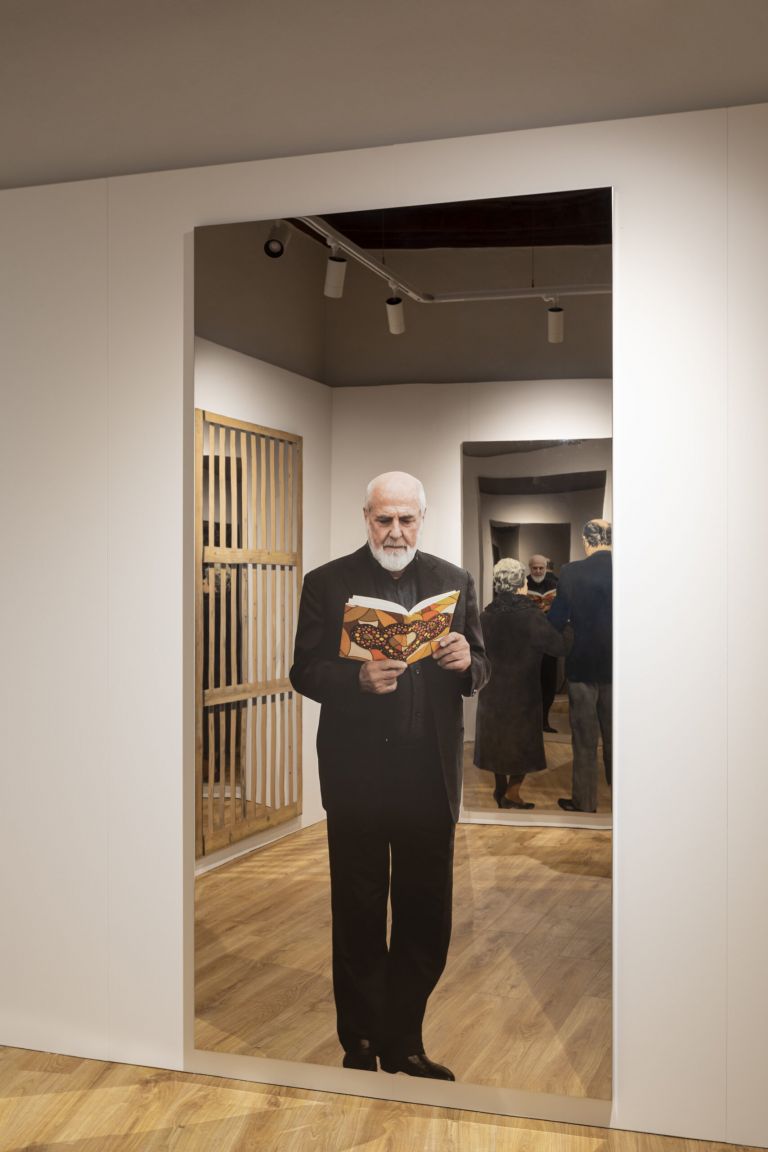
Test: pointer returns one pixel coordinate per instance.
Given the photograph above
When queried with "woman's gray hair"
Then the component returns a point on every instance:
(508, 575)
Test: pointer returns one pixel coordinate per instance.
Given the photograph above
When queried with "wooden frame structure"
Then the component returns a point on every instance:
(248, 503)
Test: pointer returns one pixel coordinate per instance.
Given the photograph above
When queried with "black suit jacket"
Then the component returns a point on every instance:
(585, 601)
(348, 715)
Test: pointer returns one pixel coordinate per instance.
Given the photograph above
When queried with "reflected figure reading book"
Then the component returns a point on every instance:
(389, 748)
(542, 585)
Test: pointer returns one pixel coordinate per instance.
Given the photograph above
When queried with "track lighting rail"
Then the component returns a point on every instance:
(339, 242)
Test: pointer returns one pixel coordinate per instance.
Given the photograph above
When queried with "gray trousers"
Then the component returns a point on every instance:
(590, 715)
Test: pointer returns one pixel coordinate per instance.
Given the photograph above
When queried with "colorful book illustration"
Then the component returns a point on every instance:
(380, 630)
(542, 600)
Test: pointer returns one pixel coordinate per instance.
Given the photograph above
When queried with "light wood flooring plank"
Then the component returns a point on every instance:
(64, 1104)
(524, 1001)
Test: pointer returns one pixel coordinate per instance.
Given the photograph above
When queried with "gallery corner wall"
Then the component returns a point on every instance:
(97, 355)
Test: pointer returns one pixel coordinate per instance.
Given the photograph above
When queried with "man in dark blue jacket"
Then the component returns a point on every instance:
(585, 602)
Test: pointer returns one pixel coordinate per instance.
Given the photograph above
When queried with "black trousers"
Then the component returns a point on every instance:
(548, 685)
(390, 839)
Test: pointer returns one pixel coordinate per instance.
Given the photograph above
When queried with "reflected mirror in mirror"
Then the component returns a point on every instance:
(529, 501)
(293, 358)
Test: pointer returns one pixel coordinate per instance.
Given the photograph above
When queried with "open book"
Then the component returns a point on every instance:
(542, 600)
(380, 630)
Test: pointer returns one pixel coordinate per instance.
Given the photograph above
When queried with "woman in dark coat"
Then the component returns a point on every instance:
(508, 739)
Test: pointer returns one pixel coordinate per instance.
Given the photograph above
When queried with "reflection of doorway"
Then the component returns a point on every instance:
(525, 540)
(524, 498)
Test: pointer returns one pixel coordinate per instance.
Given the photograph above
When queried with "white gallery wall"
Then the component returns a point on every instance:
(97, 724)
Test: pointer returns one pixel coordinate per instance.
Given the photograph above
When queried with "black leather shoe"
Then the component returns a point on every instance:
(504, 802)
(417, 1065)
(362, 1056)
(549, 728)
(568, 805)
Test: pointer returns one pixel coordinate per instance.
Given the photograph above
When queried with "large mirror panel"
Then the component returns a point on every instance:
(450, 390)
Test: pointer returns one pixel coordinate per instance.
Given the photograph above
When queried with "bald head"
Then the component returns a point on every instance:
(395, 485)
(394, 514)
(537, 566)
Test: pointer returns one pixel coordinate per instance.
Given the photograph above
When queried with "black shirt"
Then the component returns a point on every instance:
(406, 714)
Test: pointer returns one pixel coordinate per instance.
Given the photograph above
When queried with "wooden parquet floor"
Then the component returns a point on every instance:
(525, 1001)
(541, 788)
(65, 1104)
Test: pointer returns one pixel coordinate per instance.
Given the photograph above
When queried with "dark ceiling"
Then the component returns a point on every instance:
(553, 218)
(541, 485)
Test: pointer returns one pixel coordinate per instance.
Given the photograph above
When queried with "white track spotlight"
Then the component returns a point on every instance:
(395, 313)
(277, 241)
(555, 324)
(335, 271)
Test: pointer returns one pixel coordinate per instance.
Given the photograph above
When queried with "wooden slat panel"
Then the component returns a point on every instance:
(289, 499)
(211, 486)
(232, 763)
(244, 490)
(222, 468)
(252, 777)
(274, 621)
(299, 509)
(263, 749)
(272, 478)
(281, 544)
(248, 556)
(233, 625)
(232, 457)
(263, 537)
(221, 763)
(263, 673)
(283, 750)
(254, 460)
(211, 772)
(199, 446)
(222, 614)
(230, 422)
(273, 752)
(242, 758)
(249, 564)
(233, 692)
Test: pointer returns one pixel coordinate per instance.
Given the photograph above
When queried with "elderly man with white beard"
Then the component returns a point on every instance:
(390, 743)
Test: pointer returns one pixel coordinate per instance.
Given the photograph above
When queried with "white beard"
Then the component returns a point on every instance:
(393, 560)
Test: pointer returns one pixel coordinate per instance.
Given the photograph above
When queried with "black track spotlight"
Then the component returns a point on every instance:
(335, 271)
(395, 313)
(277, 241)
